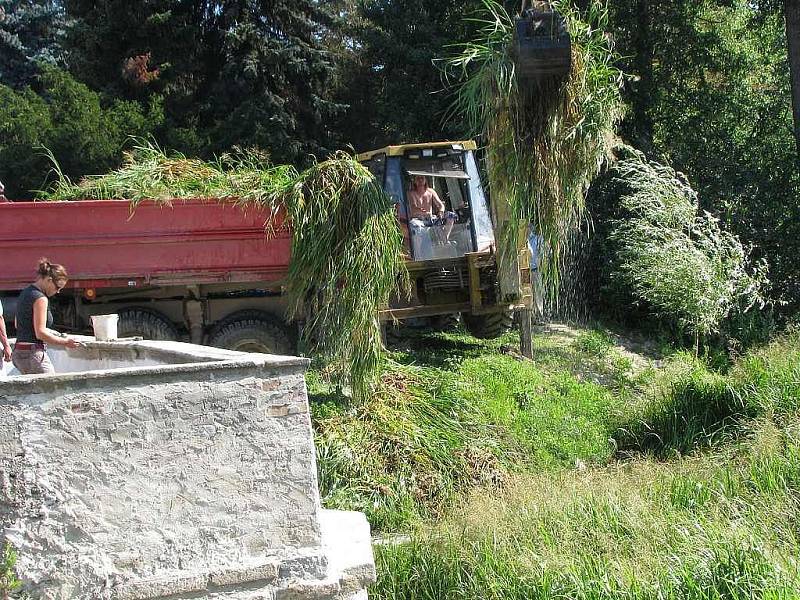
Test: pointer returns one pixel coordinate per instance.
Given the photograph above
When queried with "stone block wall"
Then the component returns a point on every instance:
(177, 479)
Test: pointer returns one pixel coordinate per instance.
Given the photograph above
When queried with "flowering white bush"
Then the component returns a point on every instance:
(676, 259)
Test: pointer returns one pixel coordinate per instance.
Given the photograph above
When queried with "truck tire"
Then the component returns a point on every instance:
(488, 326)
(392, 335)
(444, 323)
(251, 331)
(145, 323)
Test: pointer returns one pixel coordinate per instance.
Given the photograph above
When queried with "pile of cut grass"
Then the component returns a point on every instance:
(150, 173)
(453, 414)
(346, 244)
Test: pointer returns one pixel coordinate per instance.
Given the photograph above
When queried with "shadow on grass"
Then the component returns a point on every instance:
(561, 356)
(333, 395)
(700, 408)
(420, 348)
(438, 350)
(696, 411)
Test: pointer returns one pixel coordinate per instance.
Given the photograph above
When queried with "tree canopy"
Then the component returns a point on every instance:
(708, 90)
(709, 94)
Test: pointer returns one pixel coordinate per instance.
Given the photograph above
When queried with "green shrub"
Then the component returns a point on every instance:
(9, 582)
(85, 133)
(683, 265)
(25, 119)
(656, 255)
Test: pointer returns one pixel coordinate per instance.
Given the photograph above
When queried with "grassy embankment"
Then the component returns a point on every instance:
(575, 475)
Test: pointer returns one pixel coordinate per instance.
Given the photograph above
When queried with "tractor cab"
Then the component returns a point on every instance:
(450, 242)
(449, 170)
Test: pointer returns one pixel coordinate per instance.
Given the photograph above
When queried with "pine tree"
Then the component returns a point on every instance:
(393, 83)
(30, 32)
(238, 72)
(273, 89)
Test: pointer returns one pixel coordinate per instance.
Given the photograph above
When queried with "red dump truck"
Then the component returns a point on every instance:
(204, 270)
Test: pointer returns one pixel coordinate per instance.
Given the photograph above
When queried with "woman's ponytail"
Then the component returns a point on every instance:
(48, 269)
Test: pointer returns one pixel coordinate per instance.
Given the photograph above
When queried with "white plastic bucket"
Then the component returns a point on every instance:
(105, 327)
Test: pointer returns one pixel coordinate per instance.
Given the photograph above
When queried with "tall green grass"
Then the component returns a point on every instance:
(453, 414)
(719, 527)
(690, 406)
(705, 525)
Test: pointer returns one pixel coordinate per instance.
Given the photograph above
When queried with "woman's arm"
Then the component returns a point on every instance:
(6, 349)
(40, 326)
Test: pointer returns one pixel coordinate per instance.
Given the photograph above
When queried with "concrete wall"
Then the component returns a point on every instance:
(148, 481)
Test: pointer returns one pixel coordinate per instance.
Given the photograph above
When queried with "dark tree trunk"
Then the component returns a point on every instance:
(643, 65)
(792, 10)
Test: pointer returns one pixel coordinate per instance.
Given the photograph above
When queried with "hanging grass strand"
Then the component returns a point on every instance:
(346, 263)
(545, 139)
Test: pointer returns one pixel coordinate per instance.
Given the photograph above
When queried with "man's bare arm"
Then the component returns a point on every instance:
(438, 205)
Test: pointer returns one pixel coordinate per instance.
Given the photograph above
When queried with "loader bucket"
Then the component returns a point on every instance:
(542, 45)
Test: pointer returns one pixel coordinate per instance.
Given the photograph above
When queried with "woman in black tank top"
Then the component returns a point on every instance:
(34, 321)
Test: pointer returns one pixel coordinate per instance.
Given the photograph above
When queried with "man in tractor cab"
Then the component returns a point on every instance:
(423, 200)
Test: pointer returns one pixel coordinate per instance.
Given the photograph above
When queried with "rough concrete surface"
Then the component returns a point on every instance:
(183, 472)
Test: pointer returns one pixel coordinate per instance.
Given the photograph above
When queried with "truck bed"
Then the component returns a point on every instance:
(103, 245)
